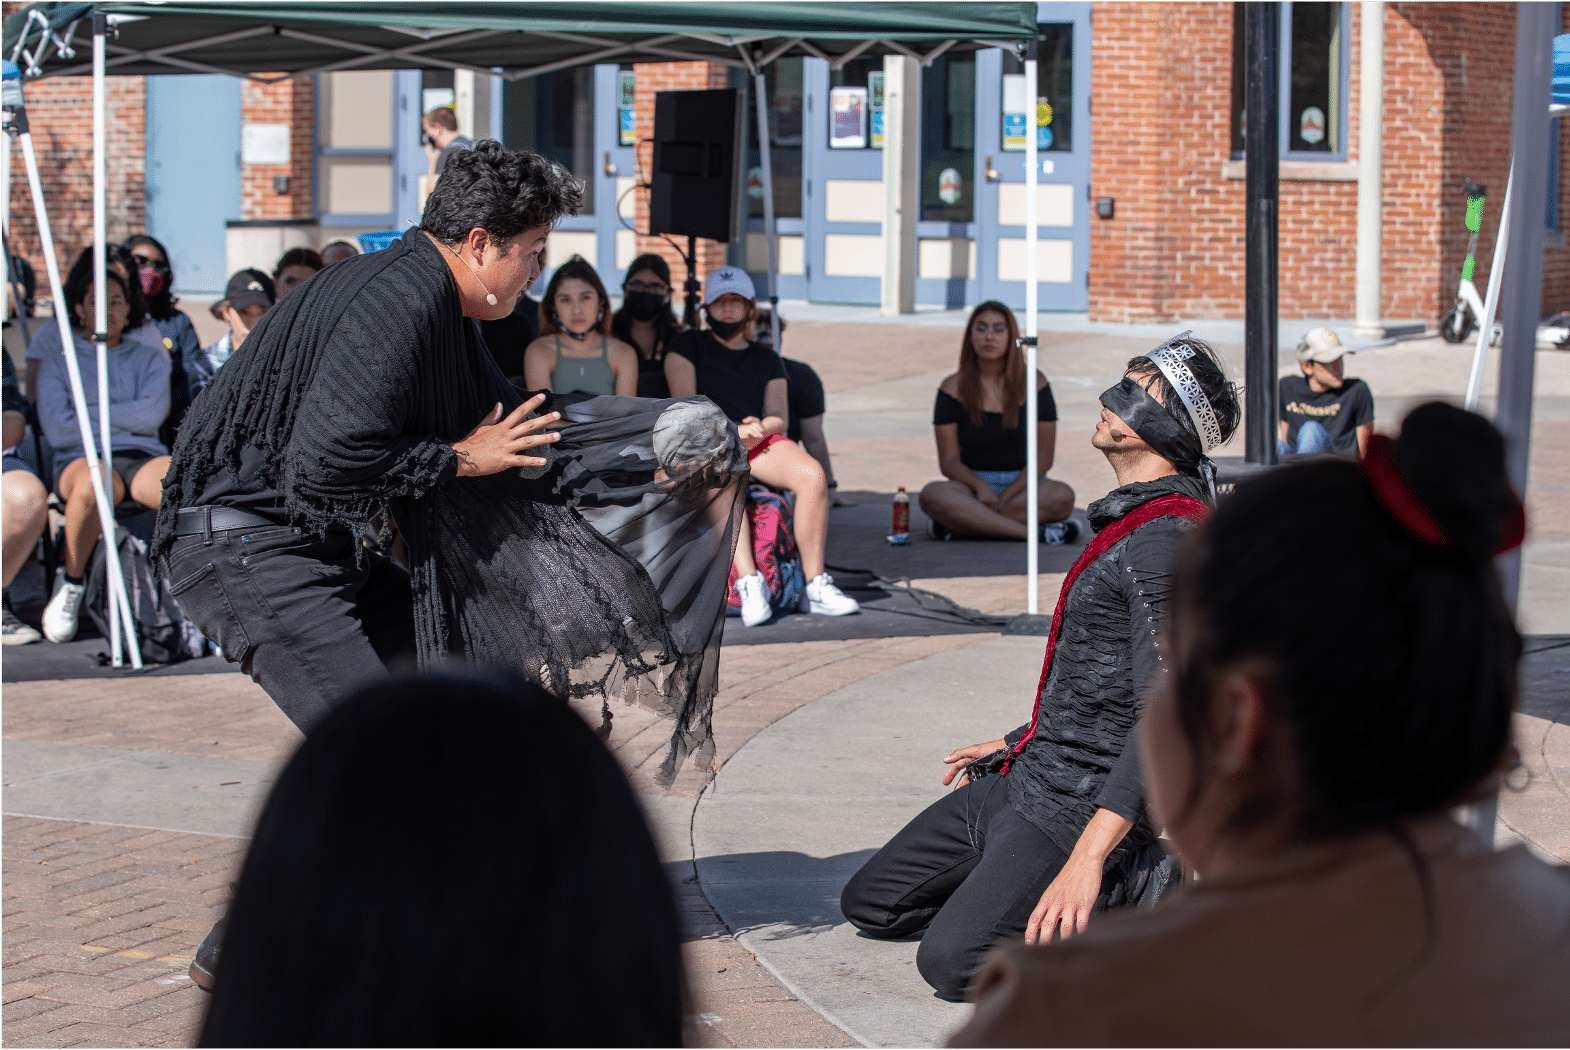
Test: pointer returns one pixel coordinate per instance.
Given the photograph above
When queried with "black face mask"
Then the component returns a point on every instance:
(644, 306)
(725, 330)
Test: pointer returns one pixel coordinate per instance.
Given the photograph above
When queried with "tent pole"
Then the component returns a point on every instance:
(84, 419)
(119, 603)
(1032, 452)
(760, 90)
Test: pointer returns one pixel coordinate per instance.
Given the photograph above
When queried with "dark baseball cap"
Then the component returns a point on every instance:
(250, 288)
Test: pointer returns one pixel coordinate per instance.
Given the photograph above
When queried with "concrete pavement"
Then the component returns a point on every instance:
(127, 798)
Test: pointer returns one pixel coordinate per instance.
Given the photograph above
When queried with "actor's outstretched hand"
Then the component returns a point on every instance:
(499, 444)
(959, 761)
(1066, 905)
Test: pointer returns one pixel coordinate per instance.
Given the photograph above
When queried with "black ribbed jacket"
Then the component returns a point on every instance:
(1083, 756)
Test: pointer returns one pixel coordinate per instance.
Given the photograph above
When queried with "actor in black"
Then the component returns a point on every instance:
(369, 394)
(1042, 821)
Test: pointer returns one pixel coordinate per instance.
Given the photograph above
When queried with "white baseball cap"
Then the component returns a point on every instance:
(1320, 344)
(724, 281)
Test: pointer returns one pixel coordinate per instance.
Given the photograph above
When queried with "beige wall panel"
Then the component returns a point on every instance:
(358, 185)
(1054, 204)
(626, 249)
(564, 244)
(946, 258)
(792, 254)
(628, 202)
(847, 200)
(357, 109)
(853, 255)
(1054, 260)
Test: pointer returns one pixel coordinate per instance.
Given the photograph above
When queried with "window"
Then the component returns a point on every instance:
(553, 114)
(948, 139)
(867, 74)
(1313, 80)
(787, 104)
(1054, 92)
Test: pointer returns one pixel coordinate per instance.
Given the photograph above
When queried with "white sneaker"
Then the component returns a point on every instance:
(754, 600)
(62, 612)
(825, 599)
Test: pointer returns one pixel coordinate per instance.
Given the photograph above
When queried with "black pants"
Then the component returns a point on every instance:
(302, 616)
(969, 870)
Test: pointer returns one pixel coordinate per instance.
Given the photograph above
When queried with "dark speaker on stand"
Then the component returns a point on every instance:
(695, 189)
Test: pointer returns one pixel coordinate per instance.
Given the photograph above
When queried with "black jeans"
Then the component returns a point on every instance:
(302, 616)
(969, 870)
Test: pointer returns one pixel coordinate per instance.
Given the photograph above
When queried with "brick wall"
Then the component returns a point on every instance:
(60, 112)
(286, 102)
(653, 77)
(1161, 95)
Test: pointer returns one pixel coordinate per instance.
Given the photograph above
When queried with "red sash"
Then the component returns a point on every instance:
(1175, 505)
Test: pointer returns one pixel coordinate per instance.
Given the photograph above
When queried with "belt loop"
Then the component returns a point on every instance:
(207, 525)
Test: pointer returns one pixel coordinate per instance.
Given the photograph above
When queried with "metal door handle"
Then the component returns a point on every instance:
(610, 169)
(991, 173)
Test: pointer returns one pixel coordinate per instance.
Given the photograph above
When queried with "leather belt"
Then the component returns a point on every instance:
(204, 521)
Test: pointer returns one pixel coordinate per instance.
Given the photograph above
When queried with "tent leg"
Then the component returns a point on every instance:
(760, 91)
(73, 370)
(1032, 452)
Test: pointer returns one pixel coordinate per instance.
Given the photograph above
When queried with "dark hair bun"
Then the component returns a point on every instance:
(1454, 463)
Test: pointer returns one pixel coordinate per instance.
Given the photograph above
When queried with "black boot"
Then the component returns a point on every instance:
(205, 966)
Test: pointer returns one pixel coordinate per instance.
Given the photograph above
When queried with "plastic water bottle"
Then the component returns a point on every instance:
(901, 534)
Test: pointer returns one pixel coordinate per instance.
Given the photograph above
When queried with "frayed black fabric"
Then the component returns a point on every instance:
(354, 388)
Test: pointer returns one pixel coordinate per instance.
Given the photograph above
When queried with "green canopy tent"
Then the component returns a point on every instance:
(278, 40)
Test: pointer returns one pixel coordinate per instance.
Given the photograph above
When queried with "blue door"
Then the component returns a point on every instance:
(1060, 104)
(193, 173)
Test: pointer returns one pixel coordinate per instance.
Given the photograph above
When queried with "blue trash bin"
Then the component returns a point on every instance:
(375, 242)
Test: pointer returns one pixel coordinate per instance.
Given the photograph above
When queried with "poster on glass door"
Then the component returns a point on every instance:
(875, 107)
(1016, 112)
(848, 118)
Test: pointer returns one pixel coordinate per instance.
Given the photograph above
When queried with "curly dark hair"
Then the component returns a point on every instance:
(502, 191)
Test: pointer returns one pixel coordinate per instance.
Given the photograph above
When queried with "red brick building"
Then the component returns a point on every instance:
(1141, 110)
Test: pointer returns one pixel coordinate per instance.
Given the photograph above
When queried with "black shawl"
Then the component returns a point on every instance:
(354, 387)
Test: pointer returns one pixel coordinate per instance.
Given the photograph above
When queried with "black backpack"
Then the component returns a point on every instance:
(166, 636)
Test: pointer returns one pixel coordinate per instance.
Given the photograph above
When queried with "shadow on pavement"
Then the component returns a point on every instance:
(810, 905)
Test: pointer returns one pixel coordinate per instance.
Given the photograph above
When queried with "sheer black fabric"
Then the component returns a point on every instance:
(353, 390)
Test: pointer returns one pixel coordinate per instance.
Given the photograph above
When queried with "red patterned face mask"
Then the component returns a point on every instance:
(152, 281)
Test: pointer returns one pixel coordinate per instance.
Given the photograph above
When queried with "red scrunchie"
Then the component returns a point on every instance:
(1392, 491)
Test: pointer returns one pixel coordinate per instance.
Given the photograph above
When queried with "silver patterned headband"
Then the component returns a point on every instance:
(1170, 357)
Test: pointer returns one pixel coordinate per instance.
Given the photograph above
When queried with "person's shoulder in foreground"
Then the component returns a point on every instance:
(1324, 947)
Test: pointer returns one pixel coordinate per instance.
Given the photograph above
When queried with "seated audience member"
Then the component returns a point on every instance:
(297, 266)
(645, 321)
(138, 405)
(747, 381)
(1039, 817)
(804, 395)
(337, 251)
(1320, 410)
(24, 506)
(1338, 904)
(248, 296)
(979, 422)
(460, 907)
(155, 276)
(46, 337)
(576, 306)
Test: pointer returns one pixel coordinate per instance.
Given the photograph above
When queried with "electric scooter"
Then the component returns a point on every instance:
(1460, 320)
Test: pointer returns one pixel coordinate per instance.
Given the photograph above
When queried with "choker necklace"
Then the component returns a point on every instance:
(575, 336)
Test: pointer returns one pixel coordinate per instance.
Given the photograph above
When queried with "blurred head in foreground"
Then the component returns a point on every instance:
(450, 861)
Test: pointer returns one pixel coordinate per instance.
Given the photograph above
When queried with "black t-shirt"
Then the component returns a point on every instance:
(651, 375)
(508, 337)
(1340, 412)
(989, 446)
(806, 395)
(733, 379)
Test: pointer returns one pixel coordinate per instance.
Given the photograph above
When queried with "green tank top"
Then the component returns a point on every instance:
(589, 375)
